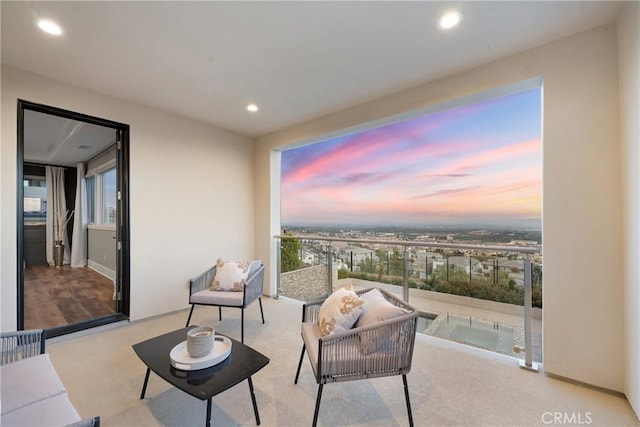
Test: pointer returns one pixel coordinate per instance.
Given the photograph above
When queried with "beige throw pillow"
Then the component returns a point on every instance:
(339, 312)
(230, 276)
(377, 309)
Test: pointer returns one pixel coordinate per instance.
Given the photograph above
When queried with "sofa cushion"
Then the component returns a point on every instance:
(339, 312)
(53, 411)
(230, 276)
(28, 381)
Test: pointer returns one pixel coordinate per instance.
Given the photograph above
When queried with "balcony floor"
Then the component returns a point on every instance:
(450, 384)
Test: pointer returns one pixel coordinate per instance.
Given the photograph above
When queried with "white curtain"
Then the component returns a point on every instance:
(80, 222)
(56, 212)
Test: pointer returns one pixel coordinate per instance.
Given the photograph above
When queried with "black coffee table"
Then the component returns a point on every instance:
(204, 383)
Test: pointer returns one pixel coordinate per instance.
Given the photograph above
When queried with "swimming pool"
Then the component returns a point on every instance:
(477, 332)
(424, 321)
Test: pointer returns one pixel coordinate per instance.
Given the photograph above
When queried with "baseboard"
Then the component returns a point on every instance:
(587, 385)
(105, 271)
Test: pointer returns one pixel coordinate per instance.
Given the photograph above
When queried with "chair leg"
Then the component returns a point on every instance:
(220, 313)
(261, 312)
(299, 364)
(315, 414)
(406, 396)
(242, 325)
(190, 313)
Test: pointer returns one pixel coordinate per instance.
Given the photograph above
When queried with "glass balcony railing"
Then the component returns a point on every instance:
(485, 296)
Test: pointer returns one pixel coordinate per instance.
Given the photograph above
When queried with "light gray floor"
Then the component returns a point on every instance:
(450, 384)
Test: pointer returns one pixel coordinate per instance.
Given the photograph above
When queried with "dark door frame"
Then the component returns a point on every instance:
(122, 222)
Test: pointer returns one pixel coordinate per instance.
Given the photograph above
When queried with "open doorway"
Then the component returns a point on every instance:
(73, 222)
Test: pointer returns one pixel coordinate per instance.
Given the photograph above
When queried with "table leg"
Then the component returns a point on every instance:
(253, 399)
(208, 422)
(144, 386)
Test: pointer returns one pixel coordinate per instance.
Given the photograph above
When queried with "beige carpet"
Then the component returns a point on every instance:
(450, 384)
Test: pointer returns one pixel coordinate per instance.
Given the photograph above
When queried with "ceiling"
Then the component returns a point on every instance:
(295, 60)
(54, 140)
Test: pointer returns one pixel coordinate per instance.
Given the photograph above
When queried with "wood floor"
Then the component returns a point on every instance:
(60, 296)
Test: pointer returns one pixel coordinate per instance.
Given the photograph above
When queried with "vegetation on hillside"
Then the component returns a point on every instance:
(505, 291)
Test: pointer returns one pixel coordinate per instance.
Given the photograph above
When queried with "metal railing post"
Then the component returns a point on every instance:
(447, 268)
(278, 266)
(405, 282)
(528, 362)
(329, 269)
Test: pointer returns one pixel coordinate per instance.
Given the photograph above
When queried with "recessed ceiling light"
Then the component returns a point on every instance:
(49, 27)
(450, 19)
(252, 107)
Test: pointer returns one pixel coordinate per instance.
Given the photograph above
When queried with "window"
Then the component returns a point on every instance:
(101, 198)
(35, 199)
(109, 197)
(91, 199)
(102, 182)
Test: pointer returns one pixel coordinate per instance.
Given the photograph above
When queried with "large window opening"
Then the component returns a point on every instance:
(428, 196)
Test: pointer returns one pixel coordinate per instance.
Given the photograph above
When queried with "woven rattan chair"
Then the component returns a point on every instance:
(200, 294)
(349, 355)
(19, 345)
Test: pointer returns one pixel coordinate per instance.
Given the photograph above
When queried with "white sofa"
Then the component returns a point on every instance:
(31, 393)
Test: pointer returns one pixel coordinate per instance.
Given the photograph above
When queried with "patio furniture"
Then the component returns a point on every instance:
(241, 364)
(32, 393)
(379, 344)
(200, 293)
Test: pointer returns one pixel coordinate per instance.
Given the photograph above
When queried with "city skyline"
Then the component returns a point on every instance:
(478, 164)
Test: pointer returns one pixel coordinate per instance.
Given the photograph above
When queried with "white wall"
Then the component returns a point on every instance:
(582, 212)
(629, 65)
(191, 193)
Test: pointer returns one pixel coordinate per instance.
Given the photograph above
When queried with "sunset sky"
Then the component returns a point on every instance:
(475, 165)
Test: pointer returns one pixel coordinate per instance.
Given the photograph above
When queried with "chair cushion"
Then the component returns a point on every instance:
(346, 360)
(28, 381)
(310, 335)
(342, 362)
(209, 297)
(339, 312)
(230, 276)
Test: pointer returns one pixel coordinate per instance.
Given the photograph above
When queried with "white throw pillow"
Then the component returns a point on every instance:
(230, 276)
(339, 312)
